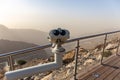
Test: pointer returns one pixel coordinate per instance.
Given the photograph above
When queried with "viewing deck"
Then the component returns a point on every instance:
(109, 70)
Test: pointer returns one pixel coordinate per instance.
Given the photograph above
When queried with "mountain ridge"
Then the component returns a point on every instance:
(24, 35)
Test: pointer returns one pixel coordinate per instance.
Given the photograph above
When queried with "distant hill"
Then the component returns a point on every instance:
(25, 35)
(9, 46)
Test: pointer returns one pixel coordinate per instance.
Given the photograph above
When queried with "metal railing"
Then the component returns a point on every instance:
(11, 54)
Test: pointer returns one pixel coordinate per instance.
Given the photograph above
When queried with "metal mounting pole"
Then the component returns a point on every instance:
(118, 47)
(11, 63)
(103, 48)
(29, 71)
(76, 60)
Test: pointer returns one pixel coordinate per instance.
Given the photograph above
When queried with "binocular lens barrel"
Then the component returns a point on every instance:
(57, 32)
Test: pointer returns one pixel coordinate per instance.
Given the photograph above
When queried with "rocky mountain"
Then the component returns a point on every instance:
(25, 35)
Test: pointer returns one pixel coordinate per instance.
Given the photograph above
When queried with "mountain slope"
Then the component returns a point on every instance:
(9, 46)
(25, 35)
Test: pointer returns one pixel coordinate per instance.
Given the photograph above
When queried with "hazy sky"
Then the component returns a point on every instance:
(75, 15)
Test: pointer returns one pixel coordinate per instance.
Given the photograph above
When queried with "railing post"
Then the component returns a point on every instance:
(76, 60)
(11, 63)
(118, 47)
(103, 48)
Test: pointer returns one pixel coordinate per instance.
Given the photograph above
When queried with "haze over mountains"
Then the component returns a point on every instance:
(24, 35)
(10, 46)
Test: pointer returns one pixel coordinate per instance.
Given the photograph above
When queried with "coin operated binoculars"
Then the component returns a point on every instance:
(57, 37)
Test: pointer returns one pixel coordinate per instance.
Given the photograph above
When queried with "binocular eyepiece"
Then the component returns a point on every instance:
(61, 32)
(57, 37)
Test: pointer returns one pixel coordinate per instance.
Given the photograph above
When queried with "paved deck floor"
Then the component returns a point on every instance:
(110, 70)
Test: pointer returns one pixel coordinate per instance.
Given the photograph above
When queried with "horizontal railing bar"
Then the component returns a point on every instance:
(48, 45)
(91, 36)
(25, 50)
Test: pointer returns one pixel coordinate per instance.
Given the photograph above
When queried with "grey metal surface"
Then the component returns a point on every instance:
(76, 60)
(104, 48)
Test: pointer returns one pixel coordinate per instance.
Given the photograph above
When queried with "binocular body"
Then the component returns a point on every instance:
(57, 37)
